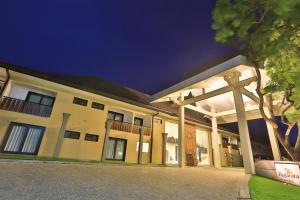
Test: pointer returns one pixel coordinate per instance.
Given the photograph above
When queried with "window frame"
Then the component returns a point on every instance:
(97, 104)
(69, 131)
(115, 147)
(115, 114)
(138, 118)
(42, 96)
(28, 126)
(90, 134)
(81, 99)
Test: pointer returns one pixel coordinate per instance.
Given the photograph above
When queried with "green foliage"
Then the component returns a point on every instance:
(269, 32)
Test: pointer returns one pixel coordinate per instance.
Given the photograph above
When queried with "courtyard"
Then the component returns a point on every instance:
(37, 180)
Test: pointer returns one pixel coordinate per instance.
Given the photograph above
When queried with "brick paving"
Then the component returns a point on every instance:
(96, 181)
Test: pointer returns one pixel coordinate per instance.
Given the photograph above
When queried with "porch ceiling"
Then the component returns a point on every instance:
(211, 84)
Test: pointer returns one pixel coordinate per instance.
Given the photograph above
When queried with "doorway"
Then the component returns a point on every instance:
(116, 149)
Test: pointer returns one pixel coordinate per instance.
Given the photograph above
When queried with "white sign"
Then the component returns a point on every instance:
(289, 172)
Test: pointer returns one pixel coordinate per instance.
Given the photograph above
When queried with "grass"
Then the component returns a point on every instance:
(267, 189)
(40, 158)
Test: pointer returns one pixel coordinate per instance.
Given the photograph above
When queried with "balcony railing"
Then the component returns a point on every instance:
(21, 106)
(130, 128)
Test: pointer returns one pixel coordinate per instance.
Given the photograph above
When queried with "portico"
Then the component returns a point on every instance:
(223, 93)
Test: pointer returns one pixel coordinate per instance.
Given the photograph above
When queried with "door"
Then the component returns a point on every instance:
(116, 149)
(23, 139)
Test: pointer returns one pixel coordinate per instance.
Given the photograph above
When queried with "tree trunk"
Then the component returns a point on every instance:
(297, 147)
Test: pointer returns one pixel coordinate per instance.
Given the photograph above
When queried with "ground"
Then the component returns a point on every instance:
(267, 189)
(22, 180)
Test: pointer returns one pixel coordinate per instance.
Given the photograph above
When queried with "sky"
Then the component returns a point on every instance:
(145, 45)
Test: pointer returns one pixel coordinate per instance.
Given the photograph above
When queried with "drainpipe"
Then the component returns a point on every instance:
(108, 125)
(141, 142)
(152, 131)
(5, 83)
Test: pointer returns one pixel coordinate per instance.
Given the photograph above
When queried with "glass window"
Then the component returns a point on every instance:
(138, 121)
(72, 135)
(116, 149)
(115, 116)
(79, 101)
(23, 138)
(98, 106)
(33, 97)
(91, 137)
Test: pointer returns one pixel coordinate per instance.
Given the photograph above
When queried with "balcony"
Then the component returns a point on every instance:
(130, 128)
(21, 106)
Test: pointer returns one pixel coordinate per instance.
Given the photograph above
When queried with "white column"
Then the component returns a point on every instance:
(181, 139)
(61, 134)
(215, 141)
(108, 125)
(244, 132)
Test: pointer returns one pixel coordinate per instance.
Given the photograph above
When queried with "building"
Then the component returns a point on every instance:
(88, 118)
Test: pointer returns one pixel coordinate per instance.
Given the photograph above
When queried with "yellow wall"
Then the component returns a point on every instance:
(83, 119)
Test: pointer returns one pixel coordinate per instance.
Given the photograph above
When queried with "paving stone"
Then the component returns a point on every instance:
(83, 181)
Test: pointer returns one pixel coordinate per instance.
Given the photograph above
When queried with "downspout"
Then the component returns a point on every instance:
(5, 83)
(152, 131)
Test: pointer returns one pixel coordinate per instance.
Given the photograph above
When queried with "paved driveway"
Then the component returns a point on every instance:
(92, 181)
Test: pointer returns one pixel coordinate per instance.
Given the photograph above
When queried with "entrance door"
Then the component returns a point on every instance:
(202, 148)
(116, 149)
(23, 139)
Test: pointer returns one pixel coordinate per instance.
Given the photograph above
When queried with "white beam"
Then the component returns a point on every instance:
(233, 111)
(217, 92)
(198, 109)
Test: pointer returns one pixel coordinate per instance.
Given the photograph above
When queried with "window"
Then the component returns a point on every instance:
(79, 101)
(138, 121)
(72, 135)
(98, 106)
(145, 147)
(41, 99)
(225, 142)
(116, 149)
(115, 116)
(23, 139)
(91, 137)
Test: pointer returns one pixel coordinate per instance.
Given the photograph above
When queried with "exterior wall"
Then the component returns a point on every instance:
(85, 119)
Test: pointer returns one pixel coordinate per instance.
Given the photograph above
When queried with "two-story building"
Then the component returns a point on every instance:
(88, 118)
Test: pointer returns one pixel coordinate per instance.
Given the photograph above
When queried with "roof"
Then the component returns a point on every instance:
(108, 89)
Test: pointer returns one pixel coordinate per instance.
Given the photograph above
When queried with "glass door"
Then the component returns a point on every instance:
(23, 139)
(116, 149)
(202, 147)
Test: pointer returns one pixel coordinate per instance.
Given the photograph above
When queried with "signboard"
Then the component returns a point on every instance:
(288, 172)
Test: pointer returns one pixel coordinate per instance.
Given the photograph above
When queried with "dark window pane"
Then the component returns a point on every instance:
(47, 101)
(91, 137)
(119, 117)
(111, 116)
(98, 106)
(138, 121)
(34, 98)
(79, 101)
(72, 135)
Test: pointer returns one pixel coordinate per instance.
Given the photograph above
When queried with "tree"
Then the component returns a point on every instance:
(268, 31)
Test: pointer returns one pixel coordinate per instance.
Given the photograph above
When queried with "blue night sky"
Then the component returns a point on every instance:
(146, 45)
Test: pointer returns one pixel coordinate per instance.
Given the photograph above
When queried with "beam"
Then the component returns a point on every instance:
(217, 92)
(233, 111)
(250, 95)
(198, 109)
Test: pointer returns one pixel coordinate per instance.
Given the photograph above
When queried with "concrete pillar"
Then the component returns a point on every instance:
(273, 139)
(108, 124)
(164, 148)
(181, 135)
(215, 142)
(232, 79)
(60, 137)
(141, 142)
(244, 132)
